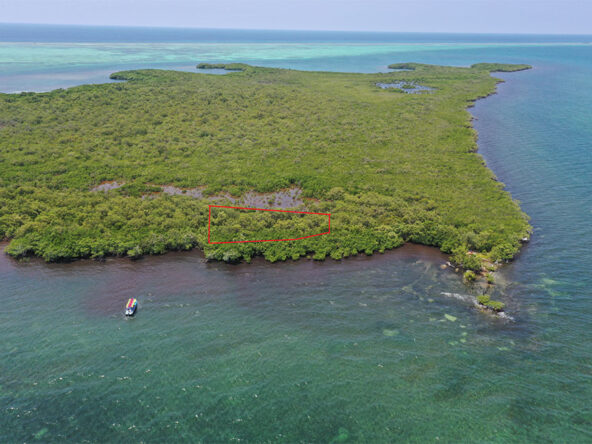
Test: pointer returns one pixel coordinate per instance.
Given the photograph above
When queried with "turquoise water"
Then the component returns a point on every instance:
(353, 351)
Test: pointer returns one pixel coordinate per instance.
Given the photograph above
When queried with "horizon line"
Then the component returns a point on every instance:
(297, 30)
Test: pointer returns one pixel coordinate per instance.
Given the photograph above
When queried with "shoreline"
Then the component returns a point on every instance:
(408, 250)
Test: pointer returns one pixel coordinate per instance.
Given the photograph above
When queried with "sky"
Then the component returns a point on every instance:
(462, 16)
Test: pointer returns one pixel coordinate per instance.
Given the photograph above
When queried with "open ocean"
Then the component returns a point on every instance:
(353, 351)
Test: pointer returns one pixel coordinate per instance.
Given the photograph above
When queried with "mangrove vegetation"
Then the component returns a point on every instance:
(390, 167)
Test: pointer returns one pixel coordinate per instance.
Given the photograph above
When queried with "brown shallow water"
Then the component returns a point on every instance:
(126, 278)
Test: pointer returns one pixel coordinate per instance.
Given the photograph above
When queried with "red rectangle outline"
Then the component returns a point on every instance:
(263, 209)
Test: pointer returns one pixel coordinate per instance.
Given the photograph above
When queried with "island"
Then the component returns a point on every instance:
(131, 168)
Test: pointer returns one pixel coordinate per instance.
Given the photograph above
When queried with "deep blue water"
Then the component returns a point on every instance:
(358, 350)
(119, 34)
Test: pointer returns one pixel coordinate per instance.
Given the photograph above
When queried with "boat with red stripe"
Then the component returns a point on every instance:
(131, 307)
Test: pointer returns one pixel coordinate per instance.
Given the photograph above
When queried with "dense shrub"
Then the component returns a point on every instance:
(461, 257)
(487, 302)
(390, 168)
(470, 276)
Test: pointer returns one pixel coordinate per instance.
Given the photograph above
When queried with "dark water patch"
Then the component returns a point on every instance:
(407, 87)
(454, 386)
